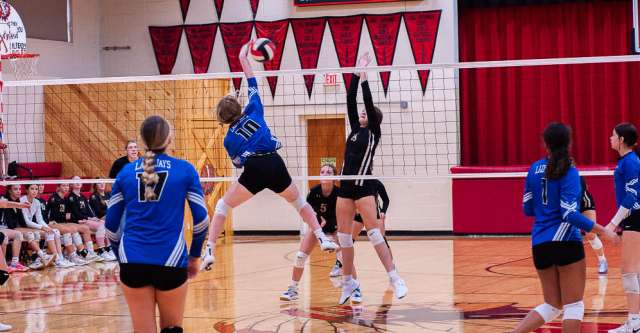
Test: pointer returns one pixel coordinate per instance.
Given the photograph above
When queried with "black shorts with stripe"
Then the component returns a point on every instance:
(587, 202)
(356, 189)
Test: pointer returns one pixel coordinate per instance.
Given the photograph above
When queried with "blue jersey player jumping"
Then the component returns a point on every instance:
(623, 140)
(552, 195)
(251, 146)
(145, 223)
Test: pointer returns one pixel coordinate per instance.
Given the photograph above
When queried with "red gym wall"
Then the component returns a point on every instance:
(503, 110)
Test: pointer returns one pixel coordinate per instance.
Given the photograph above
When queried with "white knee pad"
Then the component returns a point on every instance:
(37, 236)
(345, 240)
(630, 283)
(77, 239)
(375, 236)
(222, 208)
(299, 203)
(573, 311)
(547, 311)
(101, 232)
(66, 240)
(56, 232)
(301, 258)
(50, 236)
(29, 236)
(19, 238)
(596, 243)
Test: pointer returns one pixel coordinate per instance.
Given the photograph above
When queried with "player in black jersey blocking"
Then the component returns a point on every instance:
(360, 194)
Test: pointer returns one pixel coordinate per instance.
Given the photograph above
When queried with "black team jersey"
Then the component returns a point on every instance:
(79, 207)
(382, 194)
(324, 206)
(56, 209)
(98, 203)
(362, 141)
(12, 217)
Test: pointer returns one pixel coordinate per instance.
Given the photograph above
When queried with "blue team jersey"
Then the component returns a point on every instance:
(250, 134)
(151, 231)
(626, 180)
(555, 205)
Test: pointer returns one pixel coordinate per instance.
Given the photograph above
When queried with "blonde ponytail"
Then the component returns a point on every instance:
(149, 176)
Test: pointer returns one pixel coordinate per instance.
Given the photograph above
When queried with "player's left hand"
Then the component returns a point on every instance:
(244, 51)
(193, 267)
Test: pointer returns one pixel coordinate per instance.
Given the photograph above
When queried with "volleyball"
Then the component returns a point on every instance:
(263, 50)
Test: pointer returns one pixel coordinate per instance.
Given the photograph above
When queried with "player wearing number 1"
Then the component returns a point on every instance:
(145, 224)
(251, 146)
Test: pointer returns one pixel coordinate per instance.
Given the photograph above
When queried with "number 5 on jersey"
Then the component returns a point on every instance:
(162, 179)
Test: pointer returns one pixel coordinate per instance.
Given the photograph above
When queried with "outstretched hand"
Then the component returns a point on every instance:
(364, 60)
(244, 51)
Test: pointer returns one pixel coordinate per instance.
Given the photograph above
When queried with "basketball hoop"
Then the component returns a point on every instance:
(24, 65)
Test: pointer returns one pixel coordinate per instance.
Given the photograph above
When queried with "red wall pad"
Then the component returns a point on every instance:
(494, 205)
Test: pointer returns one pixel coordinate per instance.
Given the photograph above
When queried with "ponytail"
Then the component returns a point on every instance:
(149, 176)
(557, 138)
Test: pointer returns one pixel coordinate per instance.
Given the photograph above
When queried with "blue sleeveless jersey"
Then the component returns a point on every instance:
(626, 181)
(151, 231)
(250, 134)
(555, 205)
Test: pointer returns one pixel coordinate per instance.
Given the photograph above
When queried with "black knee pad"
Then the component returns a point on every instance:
(4, 276)
(172, 329)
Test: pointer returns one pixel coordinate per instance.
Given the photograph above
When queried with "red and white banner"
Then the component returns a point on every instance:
(219, 4)
(184, 8)
(346, 38)
(422, 28)
(308, 36)
(276, 31)
(166, 41)
(383, 30)
(234, 35)
(200, 38)
(254, 7)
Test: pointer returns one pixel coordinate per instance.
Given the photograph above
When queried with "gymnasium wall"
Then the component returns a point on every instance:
(416, 205)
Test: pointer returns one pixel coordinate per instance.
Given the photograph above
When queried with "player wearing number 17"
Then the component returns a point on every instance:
(251, 146)
(145, 220)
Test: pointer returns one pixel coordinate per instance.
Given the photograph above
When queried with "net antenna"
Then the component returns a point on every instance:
(636, 27)
(13, 46)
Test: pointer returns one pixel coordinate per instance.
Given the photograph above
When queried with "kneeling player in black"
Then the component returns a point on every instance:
(322, 199)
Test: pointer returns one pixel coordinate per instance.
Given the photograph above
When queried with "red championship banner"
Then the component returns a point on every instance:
(219, 4)
(234, 35)
(422, 28)
(184, 7)
(200, 38)
(254, 7)
(165, 41)
(345, 32)
(383, 30)
(277, 32)
(308, 36)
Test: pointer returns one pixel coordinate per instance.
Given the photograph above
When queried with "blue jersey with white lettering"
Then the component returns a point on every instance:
(555, 205)
(250, 134)
(626, 181)
(151, 231)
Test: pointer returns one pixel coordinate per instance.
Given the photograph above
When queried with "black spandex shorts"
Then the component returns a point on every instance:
(587, 202)
(330, 228)
(160, 277)
(631, 223)
(265, 171)
(550, 254)
(356, 189)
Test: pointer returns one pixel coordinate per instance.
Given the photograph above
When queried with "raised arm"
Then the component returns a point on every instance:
(255, 104)
(352, 104)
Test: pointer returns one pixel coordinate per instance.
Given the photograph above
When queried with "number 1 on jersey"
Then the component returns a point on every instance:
(545, 197)
(162, 179)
